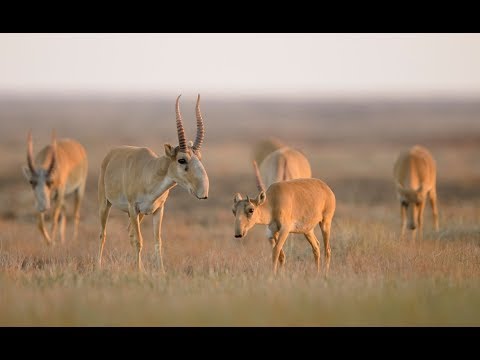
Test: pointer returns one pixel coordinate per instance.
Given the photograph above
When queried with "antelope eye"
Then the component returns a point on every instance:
(182, 161)
(233, 211)
(33, 182)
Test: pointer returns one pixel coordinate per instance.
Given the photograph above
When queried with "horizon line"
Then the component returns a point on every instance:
(242, 95)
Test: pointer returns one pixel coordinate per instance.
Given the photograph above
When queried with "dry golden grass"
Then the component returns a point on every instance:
(213, 278)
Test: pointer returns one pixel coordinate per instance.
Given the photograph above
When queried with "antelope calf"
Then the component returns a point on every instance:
(137, 181)
(58, 170)
(292, 206)
(415, 178)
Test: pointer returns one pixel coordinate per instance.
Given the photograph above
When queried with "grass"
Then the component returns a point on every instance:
(376, 279)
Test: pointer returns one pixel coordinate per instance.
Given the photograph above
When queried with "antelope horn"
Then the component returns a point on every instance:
(248, 198)
(260, 185)
(182, 142)
(30, 153)
(200, 128)
(54, 153)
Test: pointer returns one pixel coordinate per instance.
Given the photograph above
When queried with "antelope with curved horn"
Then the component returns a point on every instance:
(415, 177)
(59, 169)
(292, 206)
(137, 181)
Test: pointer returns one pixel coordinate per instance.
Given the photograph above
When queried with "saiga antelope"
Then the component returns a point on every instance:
(137, 181)
(415, 178)
(283, 164)
(292, 206)
(59, 169)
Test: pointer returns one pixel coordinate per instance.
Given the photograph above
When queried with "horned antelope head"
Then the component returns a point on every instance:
(245, 210)
(41, 177)
(186, 166)
(411, 200)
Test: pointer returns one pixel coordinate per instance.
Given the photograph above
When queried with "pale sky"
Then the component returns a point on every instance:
(294, 65)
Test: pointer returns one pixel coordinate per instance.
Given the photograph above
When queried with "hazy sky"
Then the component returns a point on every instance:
(238, 64)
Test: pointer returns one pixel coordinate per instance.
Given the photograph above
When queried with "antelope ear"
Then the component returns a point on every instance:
(237, 197)
(26, 172)
(170, 151)
(261, 198)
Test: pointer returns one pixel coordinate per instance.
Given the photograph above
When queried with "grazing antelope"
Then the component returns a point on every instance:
(292, 206)
(59, 169)
(415, 179)
(284, 164)
(137, 181)
(265, 147)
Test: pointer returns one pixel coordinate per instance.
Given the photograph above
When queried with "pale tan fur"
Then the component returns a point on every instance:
(415, 178)
(264, 147)
(68, 176)
(283, 164)
(137, 181)
(292, 206)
